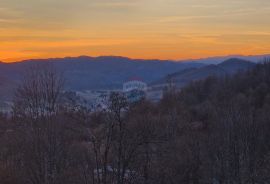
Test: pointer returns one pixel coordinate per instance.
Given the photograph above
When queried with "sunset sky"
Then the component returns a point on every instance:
(163, 29)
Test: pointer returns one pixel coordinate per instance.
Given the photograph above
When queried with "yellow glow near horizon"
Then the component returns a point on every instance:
(163, 29)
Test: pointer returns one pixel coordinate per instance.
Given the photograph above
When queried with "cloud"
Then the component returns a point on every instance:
(117, 4)
(33, 38)
(6, 20)
(184, 17)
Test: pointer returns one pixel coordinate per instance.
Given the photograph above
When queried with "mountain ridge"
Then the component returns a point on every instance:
(88, 73)
(227, 67)
(206, 60)
(220, 59)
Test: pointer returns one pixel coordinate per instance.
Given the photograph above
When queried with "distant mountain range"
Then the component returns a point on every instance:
(220, 59)
(184, 77)
(110, 72)
(87, 73)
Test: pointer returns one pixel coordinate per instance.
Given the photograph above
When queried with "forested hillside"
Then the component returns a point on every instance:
(214, 131)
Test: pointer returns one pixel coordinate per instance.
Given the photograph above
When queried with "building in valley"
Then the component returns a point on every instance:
(135, 89)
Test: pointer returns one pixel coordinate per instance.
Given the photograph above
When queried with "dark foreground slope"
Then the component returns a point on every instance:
(222, 129)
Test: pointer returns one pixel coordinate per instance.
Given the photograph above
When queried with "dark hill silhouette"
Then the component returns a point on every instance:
(227, 67)
(234, 64)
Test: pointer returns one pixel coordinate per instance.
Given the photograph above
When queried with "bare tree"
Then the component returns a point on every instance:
(38, 94)
(36, 106)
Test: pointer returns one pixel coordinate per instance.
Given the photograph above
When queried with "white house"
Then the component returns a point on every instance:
(134, 84)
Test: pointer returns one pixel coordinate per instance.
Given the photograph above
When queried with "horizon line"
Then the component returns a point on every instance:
(131, 58)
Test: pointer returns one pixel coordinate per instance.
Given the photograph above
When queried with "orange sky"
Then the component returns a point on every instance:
(164, 29)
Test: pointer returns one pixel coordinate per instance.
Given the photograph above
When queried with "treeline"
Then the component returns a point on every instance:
(214, 131)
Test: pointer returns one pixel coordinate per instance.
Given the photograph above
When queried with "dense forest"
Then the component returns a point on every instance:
(214, 131)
